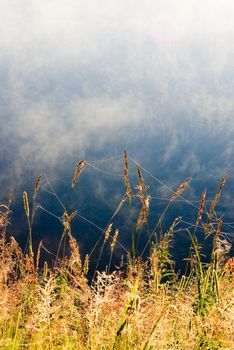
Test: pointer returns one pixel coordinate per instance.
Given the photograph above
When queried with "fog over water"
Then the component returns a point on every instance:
(84, 80)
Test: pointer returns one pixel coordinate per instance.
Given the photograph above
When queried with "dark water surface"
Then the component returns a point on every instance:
(86, 82)
(100, 188)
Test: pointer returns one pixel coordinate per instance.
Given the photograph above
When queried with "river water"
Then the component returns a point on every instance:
(80, 82)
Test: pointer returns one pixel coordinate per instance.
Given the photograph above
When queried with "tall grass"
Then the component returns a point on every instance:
(144, 304)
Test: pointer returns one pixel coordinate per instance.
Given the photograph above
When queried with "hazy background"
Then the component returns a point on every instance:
(85, 79)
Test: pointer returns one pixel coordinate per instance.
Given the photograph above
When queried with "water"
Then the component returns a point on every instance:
(95, 198)
(86, 83)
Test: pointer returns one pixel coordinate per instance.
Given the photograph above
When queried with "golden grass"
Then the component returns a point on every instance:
(59, 310)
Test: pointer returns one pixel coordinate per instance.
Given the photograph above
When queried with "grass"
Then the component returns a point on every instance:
(143, 304)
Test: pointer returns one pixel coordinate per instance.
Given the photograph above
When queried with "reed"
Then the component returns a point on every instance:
(37, 185)
(126, 176)
(78, 169)
(180, 189)
(214, 203)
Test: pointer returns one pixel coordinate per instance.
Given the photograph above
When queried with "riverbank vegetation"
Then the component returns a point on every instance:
(142, 304)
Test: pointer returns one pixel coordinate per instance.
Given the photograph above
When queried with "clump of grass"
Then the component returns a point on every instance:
(145, 305)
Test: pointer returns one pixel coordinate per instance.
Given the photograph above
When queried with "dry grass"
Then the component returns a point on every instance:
(144, 305)
(59, 310)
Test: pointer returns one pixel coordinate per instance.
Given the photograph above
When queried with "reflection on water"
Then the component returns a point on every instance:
(86, 82)
(98, 193)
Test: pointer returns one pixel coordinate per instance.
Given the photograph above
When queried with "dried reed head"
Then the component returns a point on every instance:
(115, 237)
(37, 185)
(38, 255)
(214, 203)
(66, 220)
(26, 204)
(144, 212)
(86, 265)
(201, 206)
(108, 231)
(139, 173)
(144, 198)
(126, 176)
(141, 186)
(78, 169)
(217, 196)
(180, 189)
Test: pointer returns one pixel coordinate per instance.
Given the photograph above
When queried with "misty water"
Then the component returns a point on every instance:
(80, 82)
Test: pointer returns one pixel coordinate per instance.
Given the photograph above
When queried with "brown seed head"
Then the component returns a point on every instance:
(26, 205)
(38, 254)
(79, 167)
(180, 189)
(37, 185)
(201, 206)
(217, 196)
(126, 176)
(214, 202)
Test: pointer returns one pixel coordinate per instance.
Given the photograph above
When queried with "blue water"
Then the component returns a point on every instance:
(98, 193)
(86, 82)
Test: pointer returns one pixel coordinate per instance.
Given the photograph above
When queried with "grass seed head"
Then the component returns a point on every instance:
(78, 169)
(144, 212)
(201, 206)
(113, 243)
(217, 196)
(37, 185)
(214, 203)
(108, 231)
(180, 189)
(86, 264)
(26, 204)
(126, 176)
